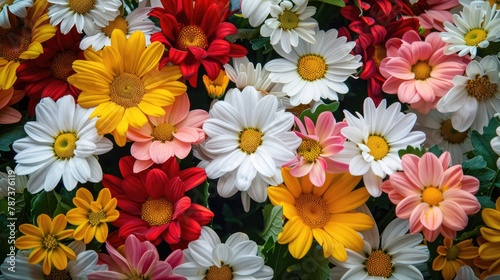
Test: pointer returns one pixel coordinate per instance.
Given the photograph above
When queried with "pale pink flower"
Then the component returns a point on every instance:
(171, 135)
(418, 71)
(139, 261)
(434, 197)
(318, 152)
(9, 97)
(431, 13)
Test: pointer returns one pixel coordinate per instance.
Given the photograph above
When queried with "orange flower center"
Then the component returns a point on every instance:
(379, 264)
(312, 210)
(14, 43)
(118, 23)
(81, 6)
(379, 54)
(95, 218)
(493, 2)
(157, 211)
(126, 90)
(450, 134)
(62, 65)
(65, 145)
(289, 20)
(378, 146)
(309, 149)
(422, 70)
(50, 242)
(475, 36)
(297, 110)
(191, 36)
(432, 195)
(311, 67)
(481, 88)
(56, 274)
(219, 273)
(452, 253)
(250, 139)
(164, 132)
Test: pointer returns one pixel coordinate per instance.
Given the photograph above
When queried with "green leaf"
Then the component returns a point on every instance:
(485, 202)
(332, 107)
(435, 149)
(9, 134)
(481, 143)
(259, 43)
(44, 203)
(477, 167)
(273, 222)
(313, 265)
(418, 151)
(339, 3)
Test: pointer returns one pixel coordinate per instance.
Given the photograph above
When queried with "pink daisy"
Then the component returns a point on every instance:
(430, 13)
(418, 71)
(434, 197)
(318, 151)
(171, 135)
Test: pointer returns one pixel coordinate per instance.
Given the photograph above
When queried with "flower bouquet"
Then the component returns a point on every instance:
(249, 139)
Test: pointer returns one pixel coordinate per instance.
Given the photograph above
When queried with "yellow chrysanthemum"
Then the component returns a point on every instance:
(45, 240)
(91, 216)
(23, 42)
(453, 256)
(216, 88)
(490, 250)
(325, 213)
(124, 82)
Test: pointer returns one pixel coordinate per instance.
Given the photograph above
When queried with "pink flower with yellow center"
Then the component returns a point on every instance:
(167, 136)
(434, 197)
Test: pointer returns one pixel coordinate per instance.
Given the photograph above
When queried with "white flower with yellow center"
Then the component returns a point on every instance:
(477, 25)
(314, 71)
(474, 98)
(137, 20)
(257, 10)
(374, 142)
(62, 142)
(289, 22)
(15, 7)
(249, 139)
(86, 15)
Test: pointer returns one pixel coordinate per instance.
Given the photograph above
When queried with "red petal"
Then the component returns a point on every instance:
(190, 229)
(171, 168)
(173, 234)
(155, 231)
(175, 189)
(224, 29)
(177, 56)
(200, 214)
(169, 27)
(156, 182)
(181, 206)
(198, 53)
(193, 177)
(126, 165)
(134, 189)
(113, 183)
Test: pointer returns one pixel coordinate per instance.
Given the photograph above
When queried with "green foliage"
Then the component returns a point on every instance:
(338, 3)
(418, 151)
(9, 134)
(477, 167)
(261, 43)
(332, 107)
(51, 203)
(485, 202)
(435, 149)
(481, 143)
(273, 222)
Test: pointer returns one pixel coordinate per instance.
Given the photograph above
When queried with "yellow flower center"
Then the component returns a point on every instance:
(309, 149)
(379, 148)
(81, 6)
(126, 90)
(65, 145)
(50, 242)
(118, 23)
(95, 218)
(480, 87)
(56, 274)
(450, 134)
(312, 210)
(250, 139)
(379, 264)
(14, 43)
(311, 67)
(452, 253)
(432, 195)
(379, 54)
(475, 36)
(164, 132)
(219, 273)
(422, 70)
(191, 36)
(289, 20)
(157, 211)
(62, 65)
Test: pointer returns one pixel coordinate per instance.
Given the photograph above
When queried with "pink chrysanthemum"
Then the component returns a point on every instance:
(418, 71)
(167, 136)
(434, 197)
(319, 149)
(430, 13)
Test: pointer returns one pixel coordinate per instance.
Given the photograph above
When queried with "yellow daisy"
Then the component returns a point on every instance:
(23, 42)
(45, 240)
(324, 213)
(217, 87)
(490, 251)
(91, 216)
(453, 256)
(124, 83)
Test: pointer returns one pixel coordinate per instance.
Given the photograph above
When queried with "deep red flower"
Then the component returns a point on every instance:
(153, 205)
(193, 32)
(46, 75)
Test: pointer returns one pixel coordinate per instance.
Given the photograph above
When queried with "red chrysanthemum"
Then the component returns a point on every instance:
(153, 205)
(46, 76)
(193, 32)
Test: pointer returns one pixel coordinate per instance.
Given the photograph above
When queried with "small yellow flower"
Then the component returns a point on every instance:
(45, 240)
(451, 257)
(91, 216)
(217, 87)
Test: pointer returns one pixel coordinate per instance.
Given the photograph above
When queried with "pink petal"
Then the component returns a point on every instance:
(181, 149)
(301, 169)
(403, 185)
(455, 217)
(310, 126)
(445, 160)
(432, 218)
(414, 220)
(195, 119)
(430, 235)
(409, 163)
(470, 184)
(400, 68)
(141, 165)
(467, 201)
(179, 109)
(452, 178)
(407, 206)
(430, 171)
(324, 125)
(161, 152)
(187, 134)
(140, 150)
(317, 174)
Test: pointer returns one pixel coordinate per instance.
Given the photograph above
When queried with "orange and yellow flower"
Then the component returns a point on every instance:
(490, 250)
(453, 256)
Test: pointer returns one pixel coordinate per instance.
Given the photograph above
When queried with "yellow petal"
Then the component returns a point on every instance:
(37, 255)
(300, 246)
(95, 206)
(85, 194)
(118, 40)
(28, 242)
(153, 110)
(291, 230)
(491, 217)
(79, 232)
(339, 251)
(113, 61)
(47, 263)
(81, 204)
(490, 251)
(135, 117)
(30, 229)
(101, 232)
(356, 221)
(355, 199)
(65, 234)
(306, 185)
(324, 240)
(438, 263)
(70, 254)
(44, 223)
(490, 234)
(150, 57)
(59, 259)
(341, 187)
(345, 235)
(58, 224)
(280, 194)
(134, 49)
(104, 196)
(292, 183)
(111, 216)
(111, 205)
(289, 210)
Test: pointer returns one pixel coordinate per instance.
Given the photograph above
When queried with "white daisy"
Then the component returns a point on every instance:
(495, 145)
(237, 259)
(77, 269)
(11, 182)
(313, 71)
(289, 22)
(477, 25)
(257, 10)
(62, 142)
(465, 272)
(16, 7)
(438, 129)
(249, 140)
(475, 98)
(374, 142)
(392, 257)
(86, 15)
(138, 20)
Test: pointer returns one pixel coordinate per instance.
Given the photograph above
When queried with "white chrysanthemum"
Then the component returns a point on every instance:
(438, 129)
(477, 25)
(257, 10)
(392, 257)
(138, 20)
(16, 7)
(495, 145)
(86, 15)
(237, 259)
(62, 142)
(249, 139)
(374, 142)
(77, 269)
(289, 22)
(475, 98)
(11, 182)
(314, 71)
